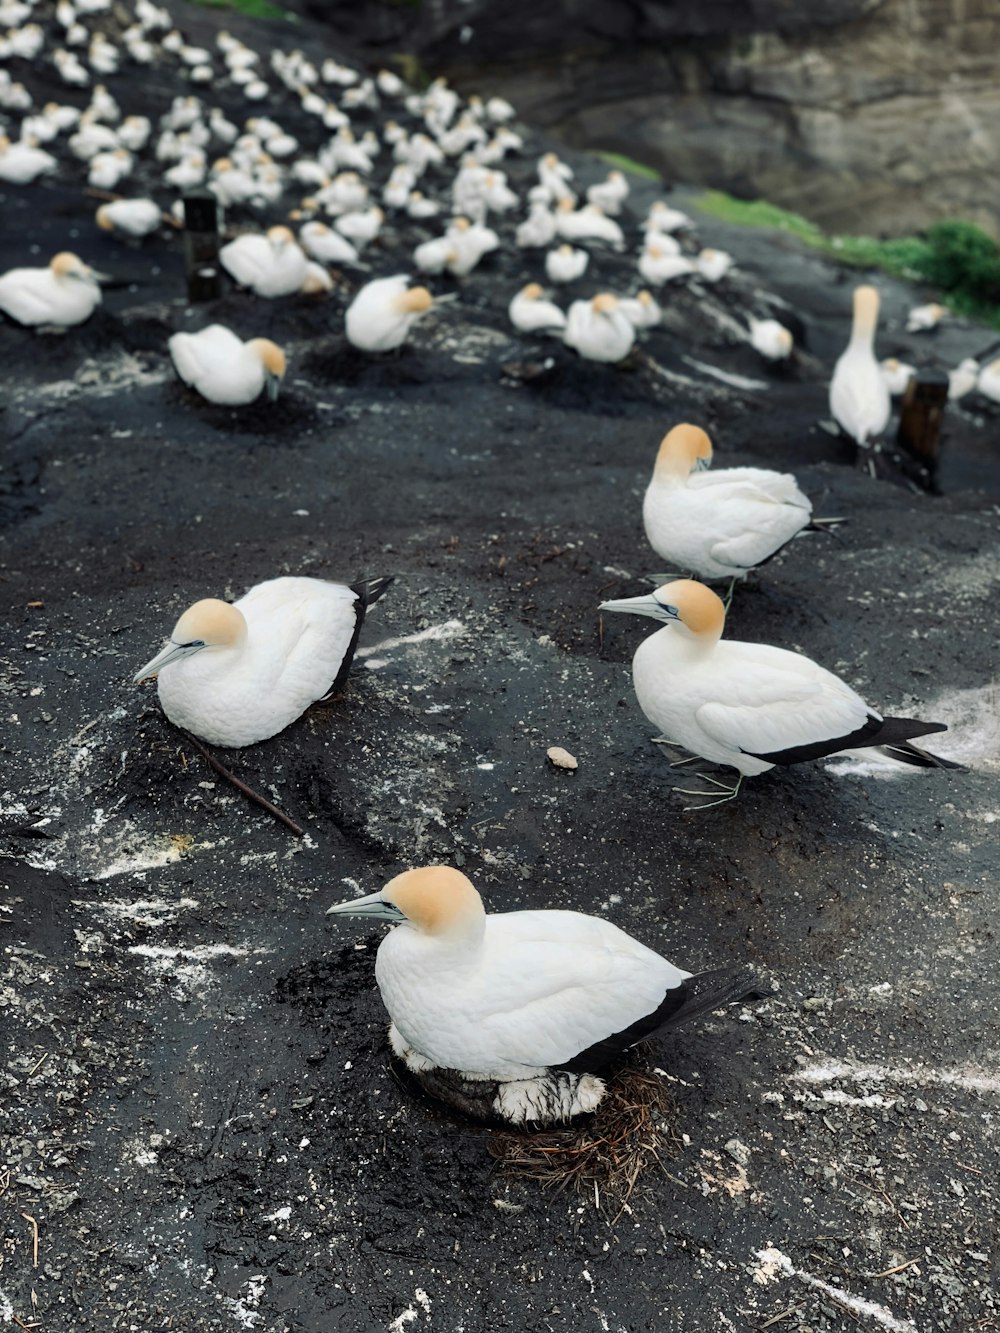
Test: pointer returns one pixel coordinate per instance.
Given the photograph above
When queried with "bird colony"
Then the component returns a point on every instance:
(319, 169)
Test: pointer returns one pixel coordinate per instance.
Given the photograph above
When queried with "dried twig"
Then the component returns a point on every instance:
(262, 801)
(782, 1314)
(34, 1238)
(888, 1272)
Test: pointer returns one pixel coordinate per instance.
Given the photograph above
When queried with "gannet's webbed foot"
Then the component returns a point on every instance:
(551, 1097)
(729, 595)
(722, 792)
(414, 1061)
(676, 745)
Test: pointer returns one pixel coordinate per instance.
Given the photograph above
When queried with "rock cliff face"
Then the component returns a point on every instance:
(866, 115)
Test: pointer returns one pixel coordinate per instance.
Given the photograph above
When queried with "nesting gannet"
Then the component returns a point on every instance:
(923, 318)
(225, 369)
(538, 229)
(609, 194)
(749, 706)
(599, 330)
(661, 217)
(661, 260)
(538, 1002)
(531, 313)
(859, 396)
(21, 163)
(589, 223)
(897, 374)
(383, 312)
(325, 244)
(564, 264)
(713, 265)
(771, 339)
(360, 228)
(135, 217)
(271, 265)
(988, 381)
(235, 673)
(719, 524)
(65, 293)
(962, 379)
(642, 310)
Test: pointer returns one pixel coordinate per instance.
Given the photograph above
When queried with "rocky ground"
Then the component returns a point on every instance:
(202, 1120)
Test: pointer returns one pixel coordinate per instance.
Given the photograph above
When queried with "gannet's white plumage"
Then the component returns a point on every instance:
(718, 524)
(923, 318)
(383, 312)
(750, 706)
(235, 674)
(859, 396)
(21, 163)
(987, 381)
(771, 339)
(897, 374)
(535, 1001)
(564, 264)
(530, 313)
(271, 265)
(225, 369)
(962, 379)
(598, 330)
(135, 217)
(64, 293)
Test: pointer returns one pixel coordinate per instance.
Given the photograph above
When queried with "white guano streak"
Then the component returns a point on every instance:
(970, 1078)
(774, 1260)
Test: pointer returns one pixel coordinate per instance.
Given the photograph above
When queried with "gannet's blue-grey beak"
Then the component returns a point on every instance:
(272, 384)
(374, 906)
(703, 464)
(173, 652)
(643, 606)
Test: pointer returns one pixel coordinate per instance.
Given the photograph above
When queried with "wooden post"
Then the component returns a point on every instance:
(920, 418)
(201, 245)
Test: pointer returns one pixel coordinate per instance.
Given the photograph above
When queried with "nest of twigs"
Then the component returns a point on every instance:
(629, 1133)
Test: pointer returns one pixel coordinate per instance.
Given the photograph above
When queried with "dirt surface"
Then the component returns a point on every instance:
(201, 1114)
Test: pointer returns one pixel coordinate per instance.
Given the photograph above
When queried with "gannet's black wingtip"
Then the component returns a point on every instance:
(370, 590)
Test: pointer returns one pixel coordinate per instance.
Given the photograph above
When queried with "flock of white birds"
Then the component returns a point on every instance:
(538, 1002)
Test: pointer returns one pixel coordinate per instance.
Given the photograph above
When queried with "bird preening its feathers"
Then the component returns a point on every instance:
(532, 1004)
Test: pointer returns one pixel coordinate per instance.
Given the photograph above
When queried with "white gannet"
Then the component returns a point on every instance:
(962, 379)
(642, 310)
(236, 673)
(470, 241)
(661, 217)
(106, 170)
(661, 260)
(383, 312)
(21, 163)
(609, 194)
(531, 313)
(750, 706)
(589, 223)
(360, 228)
(771, 339)
(537, 1002)
(538, 229)
(923, 318)
(859, 396)
(897, 374)
(988, 381)
(564, 264)
(270, 265)
(719, 524)
(225, 369)
(598, 329)
(65, 293)
(325, 244)
(713, 265)
(135, 217)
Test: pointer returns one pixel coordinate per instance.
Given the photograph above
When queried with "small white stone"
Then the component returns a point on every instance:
(561, 758)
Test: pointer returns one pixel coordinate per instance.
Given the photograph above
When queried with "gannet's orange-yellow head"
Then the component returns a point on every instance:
(414, 301)
(682, 450)
(209, 623)
(532, 291)
(435, 901)
(604, 303)
(67, 265)
(280, 236)
(103, 220)
(275, 363)
(697, 611)
(866, 304)
(565, 205)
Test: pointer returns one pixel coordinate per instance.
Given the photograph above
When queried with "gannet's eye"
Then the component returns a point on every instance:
(391, 907)
(192, 643)
(670, 610)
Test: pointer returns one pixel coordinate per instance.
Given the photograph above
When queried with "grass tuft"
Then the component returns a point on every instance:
(958, 258)
(630, 166)
(255, 9)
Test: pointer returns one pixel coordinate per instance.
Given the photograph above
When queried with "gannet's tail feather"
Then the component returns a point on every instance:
(366, 592)
(913, 754)
(695, 996)
(370, 590)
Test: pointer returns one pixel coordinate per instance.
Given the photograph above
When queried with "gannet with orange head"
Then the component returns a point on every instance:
(236, 673)
(536, 1002)
(58, 296)
(383, 312)
(225, 369)
(599, 330)
(750, 706)
(530, 313)
(271, 265)
(859, 396)
(718, 524)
